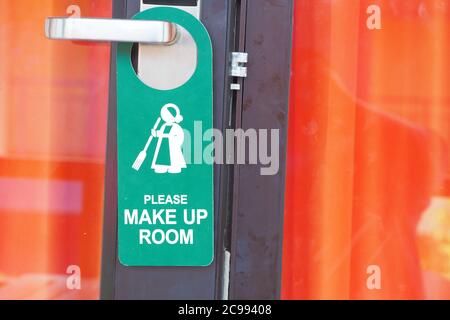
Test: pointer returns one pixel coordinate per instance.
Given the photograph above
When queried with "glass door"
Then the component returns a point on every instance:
(367, 212)
(53, 111)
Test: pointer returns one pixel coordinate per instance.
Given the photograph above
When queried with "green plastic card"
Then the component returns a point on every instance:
(165, 202)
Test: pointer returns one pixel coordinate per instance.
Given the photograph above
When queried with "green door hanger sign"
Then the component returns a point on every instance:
(165, 200)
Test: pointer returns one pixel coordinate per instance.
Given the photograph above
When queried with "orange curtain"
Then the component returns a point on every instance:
(367, 192)
(53, 105)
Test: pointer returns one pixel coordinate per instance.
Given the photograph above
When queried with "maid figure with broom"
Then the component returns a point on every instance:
(168, 157)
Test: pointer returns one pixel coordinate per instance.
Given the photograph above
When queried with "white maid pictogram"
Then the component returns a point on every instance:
(168, 157)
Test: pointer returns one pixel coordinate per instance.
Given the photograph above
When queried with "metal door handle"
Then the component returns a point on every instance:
(111, 30)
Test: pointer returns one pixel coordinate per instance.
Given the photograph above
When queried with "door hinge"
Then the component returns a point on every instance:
(238, 67)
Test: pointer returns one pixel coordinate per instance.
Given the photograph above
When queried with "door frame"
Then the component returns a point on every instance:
(248, 207)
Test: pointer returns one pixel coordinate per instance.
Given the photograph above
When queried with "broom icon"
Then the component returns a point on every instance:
(143, 154)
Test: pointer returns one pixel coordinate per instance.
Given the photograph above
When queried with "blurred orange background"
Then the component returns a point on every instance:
(367, 180)
(53, 107)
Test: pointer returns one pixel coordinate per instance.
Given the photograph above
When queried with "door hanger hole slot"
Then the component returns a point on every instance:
(166, 67)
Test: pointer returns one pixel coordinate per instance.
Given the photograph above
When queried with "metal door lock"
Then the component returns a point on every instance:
(238, 68)
(238, 61)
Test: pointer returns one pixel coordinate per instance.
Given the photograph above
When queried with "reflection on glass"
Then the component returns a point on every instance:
(53, 104)
(367, 196)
